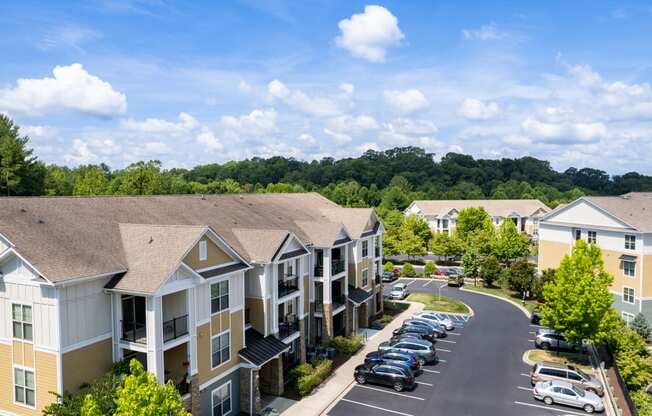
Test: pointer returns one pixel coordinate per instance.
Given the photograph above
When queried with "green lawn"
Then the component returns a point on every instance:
(568, 358)
(530, 305)
(435, 303)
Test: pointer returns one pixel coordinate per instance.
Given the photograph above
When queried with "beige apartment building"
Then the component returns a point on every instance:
(221, 294)
(442, 214)
(622, 227)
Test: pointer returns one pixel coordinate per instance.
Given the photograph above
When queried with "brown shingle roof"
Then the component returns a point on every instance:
(494, 207)
(260, 245)
(321, 233)
(634, 208)
(356, 220)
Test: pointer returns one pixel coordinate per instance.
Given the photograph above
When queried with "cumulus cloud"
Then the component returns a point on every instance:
(338, 137)
(208, 139)
(410, 127)
(347, 88)
(474, 109)
(407, 101)
(352, 124)
(157, 148)
(564, 132)
(71, 88)
(484, 32)
(156, 125)
(367, 35)
(258, 122)
(37, 131)
(299, 101)
(80, 153)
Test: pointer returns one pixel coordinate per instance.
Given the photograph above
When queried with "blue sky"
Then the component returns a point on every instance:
(196, 82)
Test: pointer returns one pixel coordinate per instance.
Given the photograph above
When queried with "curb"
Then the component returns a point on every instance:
(526, 359)
(525, 311)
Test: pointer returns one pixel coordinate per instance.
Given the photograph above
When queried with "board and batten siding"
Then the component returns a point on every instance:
(203, 296)
(85, 312)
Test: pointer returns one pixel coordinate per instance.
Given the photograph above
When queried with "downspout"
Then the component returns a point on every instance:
(251, 391)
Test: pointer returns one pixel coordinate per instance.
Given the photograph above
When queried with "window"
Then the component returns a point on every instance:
(365, 277)
(629, 268)
(221, 400)
(630, 242)
(574, 376)
(627, 317)
(628, 295)
(220, 351)
(290, 268)
(365, 248)
(219, 296)
(591, 237)
(203, 255)
(577, 233)
(24, 392)
(22, 321)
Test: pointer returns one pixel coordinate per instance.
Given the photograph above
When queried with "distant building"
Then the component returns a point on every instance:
(622, 227)
(442, 214)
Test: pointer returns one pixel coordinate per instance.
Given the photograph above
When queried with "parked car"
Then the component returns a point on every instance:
(399, 291)
(435, 318)
(536, 317)
(455, 277)
(423, 350)
(415, 331)
(440, 273)
(389, 375)
(436, 328)
(389, 276)
(547, 338)
(393, 357)
(545, 371)
(562, 392)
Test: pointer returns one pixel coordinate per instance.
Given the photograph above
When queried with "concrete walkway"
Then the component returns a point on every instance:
(342, 378)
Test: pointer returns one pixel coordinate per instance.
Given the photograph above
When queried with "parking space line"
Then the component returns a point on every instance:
(441, 349)
(457, 334)
(530, 340)
(376, 407)
(525, 375)
(449, 342)
(550, 408)
(428, 282)
(408, 284)
(524, 388)
(424, 383)
(532, 332)
(536, 326)
(442, 361)
(389, 392)
(430, 371)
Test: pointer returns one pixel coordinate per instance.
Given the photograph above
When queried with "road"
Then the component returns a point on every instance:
(481, 372)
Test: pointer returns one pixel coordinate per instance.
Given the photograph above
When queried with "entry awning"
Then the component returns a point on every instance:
(359, 296)
(261, 349)
(626, 257)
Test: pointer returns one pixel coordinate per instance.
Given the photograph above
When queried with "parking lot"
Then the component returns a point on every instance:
(480, 371)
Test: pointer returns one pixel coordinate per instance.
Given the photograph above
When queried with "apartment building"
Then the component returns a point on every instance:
(442, 214)
(219, 294)
(622, 227)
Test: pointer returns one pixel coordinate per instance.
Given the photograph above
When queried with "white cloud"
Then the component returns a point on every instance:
(244, 87)
(474, 109)
(158, 126)
(298, 100)
(157, 148)
(207, 138)
(484, 32)
(367, 35)
(352, 124)
(347, 88)
(37, 131)
(71, 88)
(410, 127)
(585, 75)
(68, 36)
(258, 122)
(408, 101)
(338, 137)
(564, 132)
(517, 140)
(105, 147)
(307, 139)
(368, 146)
(80, 154)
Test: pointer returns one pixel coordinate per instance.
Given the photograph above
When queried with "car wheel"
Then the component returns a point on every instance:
(361, 379)
(398, 386)
(588, 408)
(545, 346)
(421, 361)
(548, 400)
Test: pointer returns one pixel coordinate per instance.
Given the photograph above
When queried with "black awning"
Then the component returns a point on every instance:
(359, 296)
(626, 257)
(373, 231)
(218, 271)
(341, 241)
(294, 253)
(261, 349)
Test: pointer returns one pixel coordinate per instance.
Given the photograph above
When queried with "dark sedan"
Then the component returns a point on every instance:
(389, 277)
(421, 332)
(393, 358)
(388, 375)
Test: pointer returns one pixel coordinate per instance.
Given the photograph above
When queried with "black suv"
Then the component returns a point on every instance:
(415, 331)
(399, 378)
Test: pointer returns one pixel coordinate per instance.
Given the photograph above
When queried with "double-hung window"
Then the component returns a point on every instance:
(203, 251)
(220, 349)
(219, 296)
(628, 295)
(591, 237)
(630, 242)
(629, 268)
(365, 248)
(221, 400)
(627, 317)
(24, 387)
(577, 233)
(21, 316)
(365, 277)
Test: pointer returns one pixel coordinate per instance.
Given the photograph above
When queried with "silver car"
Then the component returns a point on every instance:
(435, 318)
(547, 339)
(399, 291)
(544, 371)
(562, 392)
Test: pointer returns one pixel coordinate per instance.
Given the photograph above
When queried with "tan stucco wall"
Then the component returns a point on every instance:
(613, 265)
(84, 365)
(45, 372)
(366, 263)
(647, 276)
(256, 314)
(214, 256)
(551, 253)
(234, 321)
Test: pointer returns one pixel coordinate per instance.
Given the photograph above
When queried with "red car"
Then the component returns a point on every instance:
(440, 273)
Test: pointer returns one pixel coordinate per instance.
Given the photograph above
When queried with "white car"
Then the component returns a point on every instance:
(399, 291)
(435, 318)
(562, 392)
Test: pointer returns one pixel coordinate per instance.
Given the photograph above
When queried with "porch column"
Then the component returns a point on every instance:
(154, 323)
(274, 311)
(192, 331)
(116, 307)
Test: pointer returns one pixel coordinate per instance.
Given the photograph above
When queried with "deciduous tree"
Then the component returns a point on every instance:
(445, 245)
(510, 244)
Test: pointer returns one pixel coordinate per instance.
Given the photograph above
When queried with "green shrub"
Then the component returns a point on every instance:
(310, 376)
(429, 269)
(299, 371)
(385, 319)
(306, 384)
(389, 266)
(408, 270)
(490, 270)
(642, 327)
(643, 402)
(346, 345)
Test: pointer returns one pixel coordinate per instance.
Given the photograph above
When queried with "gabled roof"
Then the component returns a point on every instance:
(323, 233)
(634, 208)
(494, 207)
(356, 220)
(260, 245)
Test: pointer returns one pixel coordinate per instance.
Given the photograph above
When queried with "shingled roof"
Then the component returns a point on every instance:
(494, 207)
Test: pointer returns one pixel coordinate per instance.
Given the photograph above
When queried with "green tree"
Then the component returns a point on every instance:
(388, 266)
(641, 327)
(472, 220)
(490, 270)
(429, 268)
(522, 277)
(140, 178)
(471, 265)
(419, 227)
(548, 275)
(92, 182)
(59, 180)
(410, 243)
(643, 402)
(408, 270)
(510, 244)
(578, 302)
(20, 173)
(445, 245)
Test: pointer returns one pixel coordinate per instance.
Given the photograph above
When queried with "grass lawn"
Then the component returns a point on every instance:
(569, 358)
(530, 305)
(443, 304)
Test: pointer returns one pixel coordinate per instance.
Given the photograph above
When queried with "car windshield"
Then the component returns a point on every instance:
(582, 373)
(579, 391)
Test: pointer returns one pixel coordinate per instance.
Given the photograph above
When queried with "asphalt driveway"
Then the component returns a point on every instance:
(480, 371)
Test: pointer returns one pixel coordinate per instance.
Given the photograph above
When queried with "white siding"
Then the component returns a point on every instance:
(254, 284)
(236, 293)
(556, 233)
(203, 302)
(583, 213)
(85, 311)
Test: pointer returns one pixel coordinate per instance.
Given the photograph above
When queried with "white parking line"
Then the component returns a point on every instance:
(441, 349)
(428, 282)
(376, 407)
(425, 384)
(411, 281)
(442, 361)
(568, 412)
(449, 342)
(525, 375)
(442, 285)
(430, 371)
(389, 392)
(530, 340)
(524, 388)
(532, 332)
(457, 334)
(537, 326)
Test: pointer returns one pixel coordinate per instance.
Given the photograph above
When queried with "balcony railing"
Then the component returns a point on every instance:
(319, 305)
(319, 270)
(285, 287)
(175, 328)
(377, 251)
(337, 267)
(338, 301)
(288, 328)
(134, 332)
(377, 279)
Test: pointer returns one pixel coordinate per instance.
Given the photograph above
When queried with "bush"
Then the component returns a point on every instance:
(429, 269)
(490, 270)
(643, 402)
(408, 270)
(308, 376)
(641, 327)
(388, 267)
(299, 371)
(346, 345)
(633, 359)
(385, 319)
(547, 276)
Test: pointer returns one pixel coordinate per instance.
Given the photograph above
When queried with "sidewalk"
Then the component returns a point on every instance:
(322, 398)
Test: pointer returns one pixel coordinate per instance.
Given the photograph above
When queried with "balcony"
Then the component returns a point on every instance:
(377, 279)
(175, 328)
(338, 301)
(134, 332)
(337, 267)
(287, 286)
(377, 251)
(288, 328)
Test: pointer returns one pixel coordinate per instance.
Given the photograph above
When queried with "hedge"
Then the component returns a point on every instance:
(346, 345)
(308, 376)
